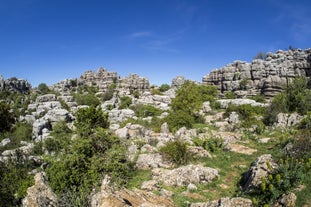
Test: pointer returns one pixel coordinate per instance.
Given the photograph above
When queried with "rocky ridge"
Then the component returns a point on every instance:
(265, 77)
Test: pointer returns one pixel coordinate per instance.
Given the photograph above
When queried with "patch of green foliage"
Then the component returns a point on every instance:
(146, 110)
(289, 174)
(88, 119)
(176, 151)
(88, 158)
(86, 96)
(14, 180)
(125, 102)
(296, 97)
(164, 87)
(210, 144)
(230, 95)
(245, 111)
(187, 102)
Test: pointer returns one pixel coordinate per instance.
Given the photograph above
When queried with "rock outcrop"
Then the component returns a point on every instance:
(185, 175)
(107, 196)
(259, 169)
(265, 77)
(40, 194)
(226, 202)
(15, 85)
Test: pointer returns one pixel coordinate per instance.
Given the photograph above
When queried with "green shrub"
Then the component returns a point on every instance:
(176, 151)
(164, 87)
(125, 102)
(88, 119)
(245, 111)
(178, 119)
(259, 98)
(145, 110)
(230, 95)
(210, 144)
(43, 88)
(87, 99)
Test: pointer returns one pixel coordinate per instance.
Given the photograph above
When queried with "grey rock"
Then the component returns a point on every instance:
(46, 98)
(287, 200)
(39, 125)
(260, 168)
(151, 161)
(206, 107)
(5, 142)
(234, 118)
(226, 202)
(178, 81)
(224, 103)
(117, 116)
(164, 128)
(265, 77)
(40, 194)
(185, 175)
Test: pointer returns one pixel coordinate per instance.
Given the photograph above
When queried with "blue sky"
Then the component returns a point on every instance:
(50, 40)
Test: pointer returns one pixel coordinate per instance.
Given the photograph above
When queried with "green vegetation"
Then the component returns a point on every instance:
(125, 102)
(176, 151)
(86, 96)
(294, 98)
(188, 101)
(164, 87)
(145, 110)
(90, 156)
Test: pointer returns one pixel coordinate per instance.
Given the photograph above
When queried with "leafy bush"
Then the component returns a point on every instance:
(88, 119)
(14, 180)
(178, 119)
(87, 99)
(145, 110)
(176, 151)
(290, 173)
(230, 95)
(245, 111)
(125, 102)
(43, 88)
(210, 144)
(164, 87)
(259, 98)
(88, 159)
(295, 97)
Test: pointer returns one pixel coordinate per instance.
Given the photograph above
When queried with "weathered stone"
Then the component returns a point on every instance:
(117, 116)
(5, 142)
(226, 202)
(185, 175)
(15, 85)
(178, 81)
(40, 194)
(286, 200)
(46, 98)
(164, 128)
(107, 196)
(260, 168)
(265, 77)
(151, 161)
(39, 125)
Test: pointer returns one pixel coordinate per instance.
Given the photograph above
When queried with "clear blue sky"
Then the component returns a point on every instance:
(50, 40)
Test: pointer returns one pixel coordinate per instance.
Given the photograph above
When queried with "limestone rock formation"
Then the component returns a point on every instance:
(265, 77)
(260, 168)
(14, 85)
(185, 175)
(135, 82)
(40, 194)
(226, 202)
(107, 196)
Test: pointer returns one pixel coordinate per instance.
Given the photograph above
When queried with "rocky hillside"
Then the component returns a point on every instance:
(262, 76)
(102, 140)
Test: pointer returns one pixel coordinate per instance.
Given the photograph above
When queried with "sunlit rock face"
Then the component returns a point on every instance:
(265, 77)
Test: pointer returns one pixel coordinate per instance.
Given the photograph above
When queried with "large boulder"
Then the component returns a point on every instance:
(151, 161)
(185, 175)
(258, 170)
(117, 116)
(226, 202)
(40, 194)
